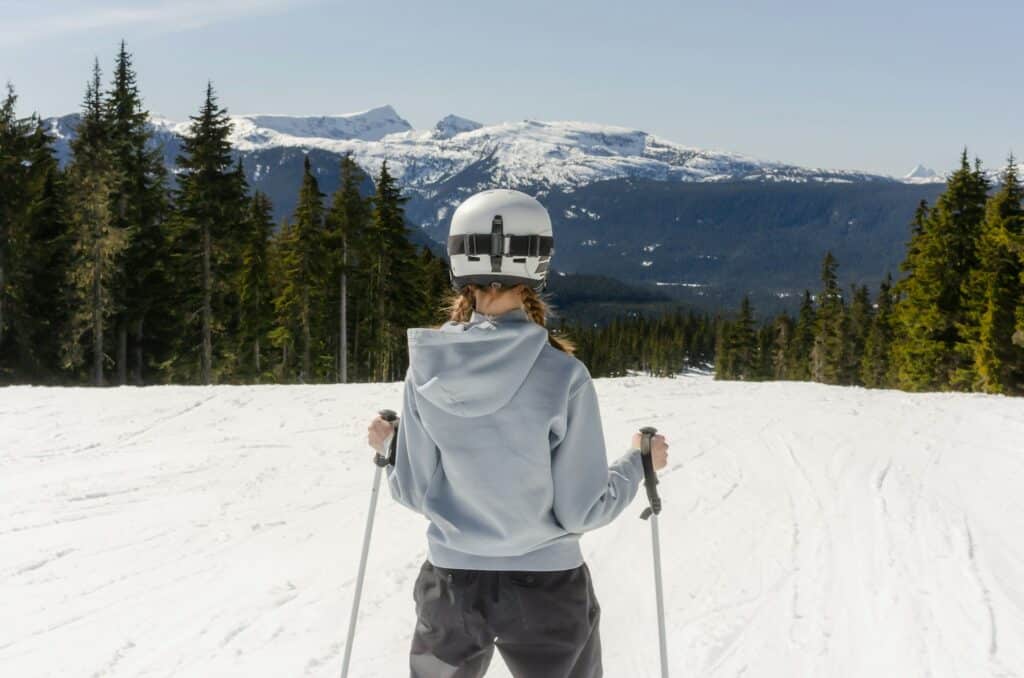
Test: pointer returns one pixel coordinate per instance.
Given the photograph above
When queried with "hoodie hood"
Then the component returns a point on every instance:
(474, 368)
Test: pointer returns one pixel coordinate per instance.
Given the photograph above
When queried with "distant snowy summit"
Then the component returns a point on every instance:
(264, 130)
(529, 154)
(922, 175)
(452, 125)
(369, 125)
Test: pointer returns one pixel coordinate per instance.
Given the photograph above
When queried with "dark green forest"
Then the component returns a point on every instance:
(109, 275)
(953, 321)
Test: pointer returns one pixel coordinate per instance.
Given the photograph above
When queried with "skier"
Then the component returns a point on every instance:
(501, 447)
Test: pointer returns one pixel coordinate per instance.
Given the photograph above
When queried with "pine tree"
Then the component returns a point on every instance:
(781, 347)
(436, 283)
(858, 326)
(876, 365)
(798, 359)
(139, 205)
(98, 240)
(930, 351)
(347, 222)
(996, 292)
(828, 355)
(254, 292)
(303, 270)
(738, 346)
(765, 351)
(211, 202)
(33, 249)
(393, 293)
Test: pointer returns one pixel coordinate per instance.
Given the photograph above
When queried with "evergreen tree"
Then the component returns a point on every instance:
(781, 347)
(738, 346)
(98, 240)
(303, 269)
(33, 249)
(829, 353)
(765, 368)
(211, 200)
(798, 359)
(254, 292)
(139, 205)
(876, 364)
(347, 223)
(858, 326)
(394, 295)
(930, 350)
(996, 292)
(436, 283)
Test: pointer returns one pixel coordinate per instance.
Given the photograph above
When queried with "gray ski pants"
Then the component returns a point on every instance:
(545, 624)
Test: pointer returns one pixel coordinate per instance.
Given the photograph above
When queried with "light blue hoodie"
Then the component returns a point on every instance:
(500, 446)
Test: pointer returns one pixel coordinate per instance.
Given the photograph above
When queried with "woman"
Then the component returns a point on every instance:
(501, 447)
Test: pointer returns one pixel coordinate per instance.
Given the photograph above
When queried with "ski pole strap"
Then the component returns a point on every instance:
(650, 477)
(379, 459)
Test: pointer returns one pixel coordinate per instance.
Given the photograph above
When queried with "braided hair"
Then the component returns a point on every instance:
(459, 307)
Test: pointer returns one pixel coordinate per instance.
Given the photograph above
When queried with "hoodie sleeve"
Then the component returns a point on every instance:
(587, 492)
(416, 455)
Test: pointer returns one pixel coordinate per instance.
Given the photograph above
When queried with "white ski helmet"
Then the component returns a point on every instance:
(500, 236)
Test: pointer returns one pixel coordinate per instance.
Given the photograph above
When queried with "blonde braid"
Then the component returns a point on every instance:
(538, 310)
(459, 306)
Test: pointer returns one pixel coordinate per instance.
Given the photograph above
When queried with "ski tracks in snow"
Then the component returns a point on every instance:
(807, 531)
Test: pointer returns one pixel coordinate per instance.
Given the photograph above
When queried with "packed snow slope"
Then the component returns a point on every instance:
(807, 531)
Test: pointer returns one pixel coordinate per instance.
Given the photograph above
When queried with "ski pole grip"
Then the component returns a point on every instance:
(650, 477)
(379, 459)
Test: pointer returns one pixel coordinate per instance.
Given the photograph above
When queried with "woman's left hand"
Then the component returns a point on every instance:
(378, 432)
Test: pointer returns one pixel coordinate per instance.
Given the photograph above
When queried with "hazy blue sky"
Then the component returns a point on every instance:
(869, 85)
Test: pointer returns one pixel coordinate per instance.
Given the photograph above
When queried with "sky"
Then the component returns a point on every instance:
(873, 86)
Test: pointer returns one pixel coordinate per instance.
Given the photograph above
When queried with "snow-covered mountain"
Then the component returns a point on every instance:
(726, 221)
(807, 530)
(450, 125)
(922, 175)
(532, 154)
(526, 154)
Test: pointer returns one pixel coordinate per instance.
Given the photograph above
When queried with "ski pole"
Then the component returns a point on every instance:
(652, 511)
(381, 462)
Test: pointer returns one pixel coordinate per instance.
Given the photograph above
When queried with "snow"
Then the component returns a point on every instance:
(807, 530)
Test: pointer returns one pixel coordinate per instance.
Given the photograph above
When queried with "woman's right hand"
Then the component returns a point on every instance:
(659, 449)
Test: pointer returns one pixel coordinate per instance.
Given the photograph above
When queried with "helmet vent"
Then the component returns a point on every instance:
(497, 242)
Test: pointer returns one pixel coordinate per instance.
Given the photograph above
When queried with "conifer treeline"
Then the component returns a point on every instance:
(108, 275)
(662, 346)
(955, 321)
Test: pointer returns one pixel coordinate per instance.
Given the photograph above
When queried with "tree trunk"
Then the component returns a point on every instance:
(355, 340)
(257, 352)
(122, 352)
(137, 377)
(343, 327)
(307, 339)
(97, 317)
(207, 359)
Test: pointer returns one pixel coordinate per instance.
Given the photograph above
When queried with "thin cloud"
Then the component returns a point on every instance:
(164, 16)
